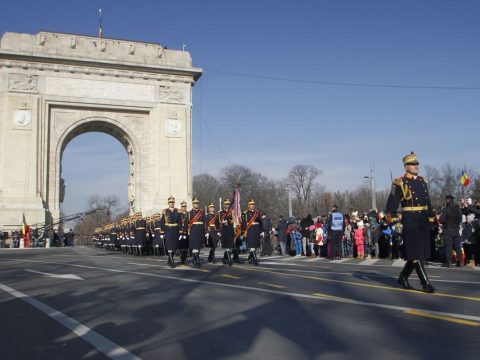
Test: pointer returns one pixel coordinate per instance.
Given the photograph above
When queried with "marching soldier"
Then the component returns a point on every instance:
(227, 234)
(131, 237)
(157, 234)
(212, 234)
(183, 240)
(411, 192)
(140, 234)
(170, 224)
(252, 230)
(196, 230)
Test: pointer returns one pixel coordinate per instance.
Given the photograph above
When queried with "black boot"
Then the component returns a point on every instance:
(422, 275)
(229, 259)
(196, 259)
(255, 259)
(171, 260)
(403, 278)
(183, 256)
(209, 257)
(225, 258)
(212, 253)
(236, 258)
(250, 257)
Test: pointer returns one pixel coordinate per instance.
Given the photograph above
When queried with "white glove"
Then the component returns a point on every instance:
(262, 233)
(206, 236)
(218, 234)
(184, 237)
(180, 237)
(162, 237)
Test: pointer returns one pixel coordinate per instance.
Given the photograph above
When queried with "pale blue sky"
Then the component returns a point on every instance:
(271, 125)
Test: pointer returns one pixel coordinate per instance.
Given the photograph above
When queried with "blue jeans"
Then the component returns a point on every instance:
(298, 247)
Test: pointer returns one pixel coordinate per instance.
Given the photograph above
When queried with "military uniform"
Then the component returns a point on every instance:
(183, 241)
(170, 224)
(196, 231)
(252, 229)
(212, 232)
(140, 234)
(227, 233)
(411, 192)
(158, 241)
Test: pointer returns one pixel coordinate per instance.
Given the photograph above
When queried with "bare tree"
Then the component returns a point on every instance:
(111, 206)
(301, 180)
(207, 188)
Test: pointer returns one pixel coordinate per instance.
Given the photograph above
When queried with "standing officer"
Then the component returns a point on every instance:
(196, 230)
(227, 233)
(411, 192)
(212, 234)
(451, 218)
(183, 240)
(252, 230)
(170, 224)
(158, 238)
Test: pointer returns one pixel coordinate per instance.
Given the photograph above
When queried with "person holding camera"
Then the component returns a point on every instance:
(451, 218)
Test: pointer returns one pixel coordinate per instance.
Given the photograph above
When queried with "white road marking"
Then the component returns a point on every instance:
(58, 276)
(99, 342)
(276, 292)
(340, 261)
(399, 263)
(178, 267)
(369, 262)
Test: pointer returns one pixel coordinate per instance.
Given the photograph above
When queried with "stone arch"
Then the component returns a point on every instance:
(107, 126)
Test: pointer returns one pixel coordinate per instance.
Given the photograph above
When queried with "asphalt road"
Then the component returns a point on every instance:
(85, 303)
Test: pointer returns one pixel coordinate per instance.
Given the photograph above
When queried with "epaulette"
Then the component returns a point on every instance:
(398, 181)
(425, 179)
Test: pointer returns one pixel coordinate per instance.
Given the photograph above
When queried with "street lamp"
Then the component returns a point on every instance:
(372, 185)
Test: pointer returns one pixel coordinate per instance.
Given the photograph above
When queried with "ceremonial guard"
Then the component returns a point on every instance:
(114, 236)
(212, 234)
(411, 192)
(131, 237)
(158, 239)
(252, 230)
(227, 233)
(123, 236)
(170, 224)
(183, 240)
(196, 230)
(140, 234)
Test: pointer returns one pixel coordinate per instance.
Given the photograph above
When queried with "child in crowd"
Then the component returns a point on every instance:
(360, 239)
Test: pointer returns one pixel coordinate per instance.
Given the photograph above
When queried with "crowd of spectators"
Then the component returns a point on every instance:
(370, 235)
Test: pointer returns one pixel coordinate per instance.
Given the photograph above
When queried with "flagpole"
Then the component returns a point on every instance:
(100, 27)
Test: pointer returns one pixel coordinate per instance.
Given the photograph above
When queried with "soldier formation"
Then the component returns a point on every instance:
(179, 231)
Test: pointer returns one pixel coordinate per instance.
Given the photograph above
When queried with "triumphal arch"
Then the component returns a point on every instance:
(54, 87)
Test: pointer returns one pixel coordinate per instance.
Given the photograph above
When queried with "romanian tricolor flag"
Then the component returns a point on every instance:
(465, 180)
(25, 227)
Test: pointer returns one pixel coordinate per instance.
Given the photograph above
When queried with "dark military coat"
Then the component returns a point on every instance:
(131, 233)
(114, 236)
(196, 228)
(140, 232)
(227, 232)
(252, 227)
(212, 228)
(183, 244)
(157, 232)
(170, 224)
(417, 216)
